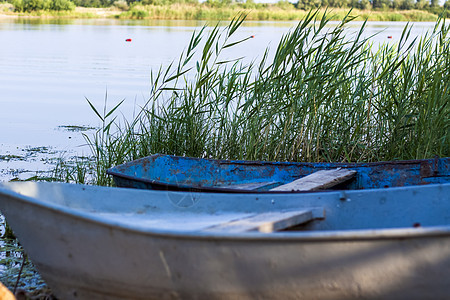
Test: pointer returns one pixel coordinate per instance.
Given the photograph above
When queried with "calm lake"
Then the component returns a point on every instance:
(49, 68)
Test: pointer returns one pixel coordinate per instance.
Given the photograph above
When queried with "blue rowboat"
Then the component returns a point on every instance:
(166, 172)
(93, 242)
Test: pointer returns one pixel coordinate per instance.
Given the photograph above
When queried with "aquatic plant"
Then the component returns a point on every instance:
(322, 95)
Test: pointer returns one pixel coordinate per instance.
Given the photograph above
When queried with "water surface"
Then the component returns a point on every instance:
(49, 68)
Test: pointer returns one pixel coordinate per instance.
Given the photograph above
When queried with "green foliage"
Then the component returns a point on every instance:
(60, 5)
(434, 3)
(382, 4)
(248, 4)
(42, 5)
(137, 13)
(284, 4)
(364, 4)
(360, 4)
(422, 4)
(403, 4)
(308, 4)
(121, 4)
(439, 11)
(165, 2)
(18, 5)
(94, 3)
(335, 3)
(6, 7)
(218, 3)
(34, 5)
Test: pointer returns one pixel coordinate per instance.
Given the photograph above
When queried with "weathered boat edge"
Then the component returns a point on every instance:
(332, 235)
(430, 171)
(73, 258)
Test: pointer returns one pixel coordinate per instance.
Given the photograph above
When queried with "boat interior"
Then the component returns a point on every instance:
(175, 211)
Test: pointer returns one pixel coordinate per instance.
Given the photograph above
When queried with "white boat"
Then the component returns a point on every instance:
(114, 243)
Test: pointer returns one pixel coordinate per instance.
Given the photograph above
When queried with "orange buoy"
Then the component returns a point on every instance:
(389, 36)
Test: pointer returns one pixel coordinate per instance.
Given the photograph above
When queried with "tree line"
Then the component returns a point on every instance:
(373, 4)
(432, 6)
(37, 5)
(301, 4)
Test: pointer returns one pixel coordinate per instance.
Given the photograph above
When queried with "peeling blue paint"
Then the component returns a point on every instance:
(183, 173)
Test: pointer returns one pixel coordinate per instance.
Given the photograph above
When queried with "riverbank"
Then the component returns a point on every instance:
(268, 12)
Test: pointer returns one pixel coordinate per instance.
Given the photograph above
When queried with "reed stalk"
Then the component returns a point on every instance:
(324, 96)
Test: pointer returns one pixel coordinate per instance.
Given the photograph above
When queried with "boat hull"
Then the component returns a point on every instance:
(384, 269)
(167, 172)
(87, 258)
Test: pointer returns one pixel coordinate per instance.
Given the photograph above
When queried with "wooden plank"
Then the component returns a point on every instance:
(269, 221)
(319, 180)
(249, 186)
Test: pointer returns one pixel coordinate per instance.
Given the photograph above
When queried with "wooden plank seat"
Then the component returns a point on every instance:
(268, 222)
(319, 180)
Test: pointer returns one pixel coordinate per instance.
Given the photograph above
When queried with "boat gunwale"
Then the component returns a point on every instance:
(354, 235)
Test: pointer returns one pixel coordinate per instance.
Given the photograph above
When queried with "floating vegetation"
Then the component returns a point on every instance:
(35, 150)
(8, 157)
(18, 273)
(76, 128)
(29, 152)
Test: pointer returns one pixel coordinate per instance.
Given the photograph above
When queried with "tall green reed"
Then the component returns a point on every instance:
(323, 95)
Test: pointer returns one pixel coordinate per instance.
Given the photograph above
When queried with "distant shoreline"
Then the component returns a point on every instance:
(204, 12)
(79, 13)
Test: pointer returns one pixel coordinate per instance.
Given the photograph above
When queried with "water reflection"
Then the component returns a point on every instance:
(105, 22)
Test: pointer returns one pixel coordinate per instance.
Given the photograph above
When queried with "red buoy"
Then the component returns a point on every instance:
(128, 40)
